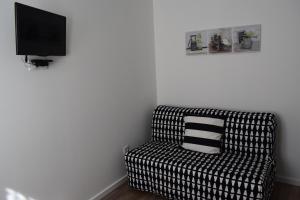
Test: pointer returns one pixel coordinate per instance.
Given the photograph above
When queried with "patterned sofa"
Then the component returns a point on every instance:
(244, 170)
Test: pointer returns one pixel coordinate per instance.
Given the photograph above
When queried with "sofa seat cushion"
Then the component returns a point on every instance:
(168, 169)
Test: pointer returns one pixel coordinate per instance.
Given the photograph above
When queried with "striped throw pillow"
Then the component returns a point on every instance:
(203, 134)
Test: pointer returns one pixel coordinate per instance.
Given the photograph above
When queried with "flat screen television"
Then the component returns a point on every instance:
(39, 32)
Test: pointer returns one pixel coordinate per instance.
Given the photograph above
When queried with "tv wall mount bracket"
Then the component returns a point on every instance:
(38, 62)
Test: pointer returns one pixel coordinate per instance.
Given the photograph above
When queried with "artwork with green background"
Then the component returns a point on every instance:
(247, 38)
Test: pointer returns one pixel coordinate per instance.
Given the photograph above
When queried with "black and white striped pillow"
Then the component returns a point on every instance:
(203, 134)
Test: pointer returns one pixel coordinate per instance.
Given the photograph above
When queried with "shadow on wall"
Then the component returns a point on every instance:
(13, 195)
(278, 148)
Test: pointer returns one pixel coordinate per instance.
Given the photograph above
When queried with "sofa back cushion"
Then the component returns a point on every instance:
(245, 132)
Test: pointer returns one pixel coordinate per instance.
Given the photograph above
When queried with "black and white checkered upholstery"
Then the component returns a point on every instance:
(246, 132)
(245, 169)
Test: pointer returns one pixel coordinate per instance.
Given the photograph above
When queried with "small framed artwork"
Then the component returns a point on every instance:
(220, 40)
(196, 42)
(224, 40)
(247, 38)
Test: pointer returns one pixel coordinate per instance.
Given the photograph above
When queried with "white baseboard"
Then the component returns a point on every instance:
(288, 180)
(109, 188)
(117, 183)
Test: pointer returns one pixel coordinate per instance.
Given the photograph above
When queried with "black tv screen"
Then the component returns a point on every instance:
(39, 32)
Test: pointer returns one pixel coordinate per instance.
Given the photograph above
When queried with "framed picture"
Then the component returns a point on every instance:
(196, 42)
(247, 38)
(220, 40)
(224, 40)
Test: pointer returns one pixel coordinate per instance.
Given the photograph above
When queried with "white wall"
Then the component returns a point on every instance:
(62, 129)
(264, 81)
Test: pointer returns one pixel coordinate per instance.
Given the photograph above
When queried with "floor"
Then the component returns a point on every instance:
(281, 192)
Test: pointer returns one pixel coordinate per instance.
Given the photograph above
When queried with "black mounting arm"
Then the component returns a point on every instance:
(38, 62)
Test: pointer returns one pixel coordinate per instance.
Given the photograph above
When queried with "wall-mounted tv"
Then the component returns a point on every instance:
(39, 32)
